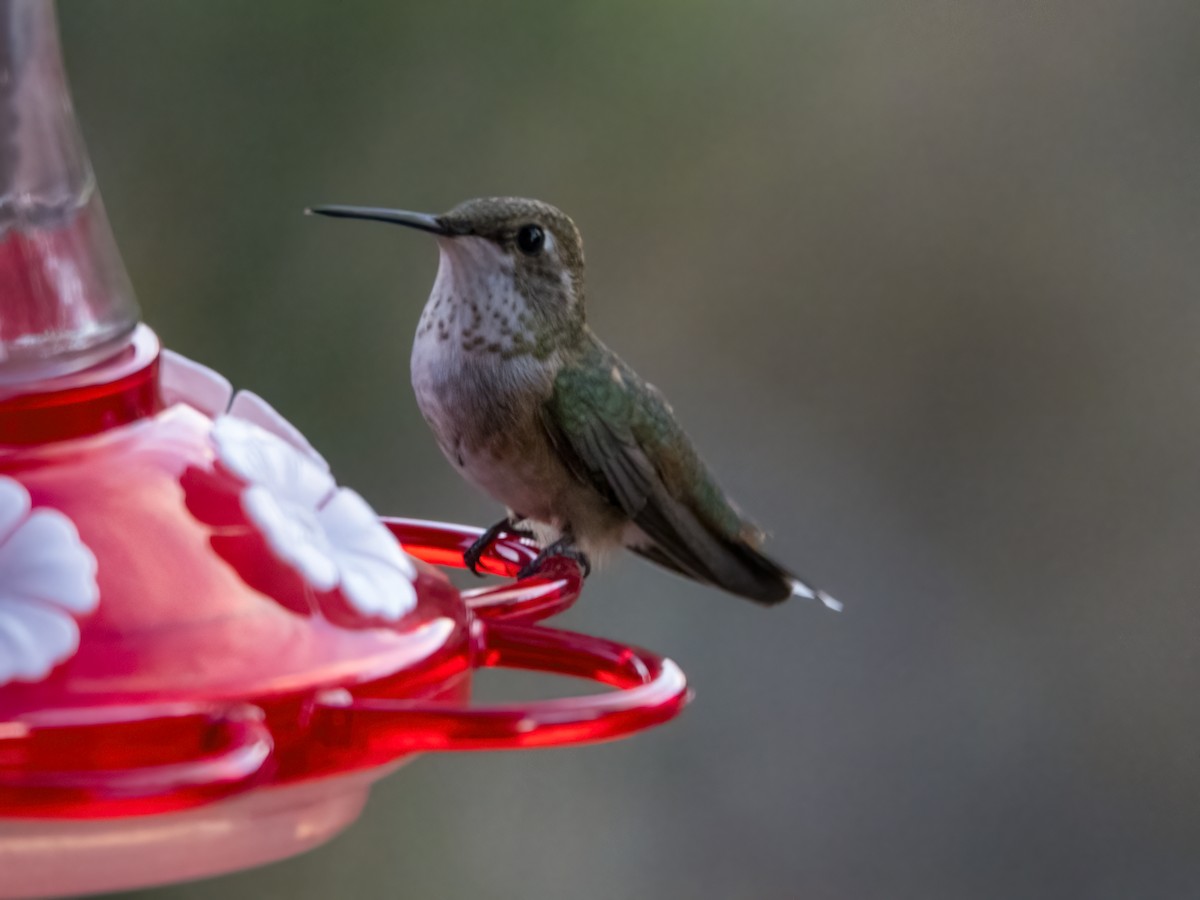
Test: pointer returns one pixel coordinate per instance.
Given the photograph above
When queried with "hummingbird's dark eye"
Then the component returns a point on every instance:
(530, 239)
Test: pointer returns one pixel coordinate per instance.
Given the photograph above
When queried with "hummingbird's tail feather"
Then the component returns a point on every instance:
(731, 564)
(800, 589)
(675, 538)
(673, 534)
(772, 574)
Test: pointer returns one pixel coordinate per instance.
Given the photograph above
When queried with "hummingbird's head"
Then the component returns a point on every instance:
(515, 260)
(539, 241)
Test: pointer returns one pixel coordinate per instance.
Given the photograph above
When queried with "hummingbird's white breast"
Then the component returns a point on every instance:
(480, 398)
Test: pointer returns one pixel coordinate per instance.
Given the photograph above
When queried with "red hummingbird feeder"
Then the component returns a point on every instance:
(208, 648)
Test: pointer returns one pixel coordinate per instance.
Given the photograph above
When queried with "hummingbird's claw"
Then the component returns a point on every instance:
(473, 554)
(471, 559)
(562, 547)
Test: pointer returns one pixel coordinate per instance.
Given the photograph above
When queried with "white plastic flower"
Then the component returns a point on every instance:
(46, 574)
(187, 381)
(329, 535)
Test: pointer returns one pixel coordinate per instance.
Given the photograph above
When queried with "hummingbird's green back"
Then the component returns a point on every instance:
(620, 436)
(600, 385)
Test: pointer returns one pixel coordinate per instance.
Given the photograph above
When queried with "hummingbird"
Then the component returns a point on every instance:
(530, 406)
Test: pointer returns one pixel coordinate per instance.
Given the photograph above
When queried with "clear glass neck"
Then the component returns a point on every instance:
(65, 300)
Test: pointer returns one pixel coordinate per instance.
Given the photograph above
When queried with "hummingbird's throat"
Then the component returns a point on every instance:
(475, 305)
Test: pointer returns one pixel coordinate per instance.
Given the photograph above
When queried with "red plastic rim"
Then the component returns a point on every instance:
(136, 760)
(115, 392)
(650, 690)
(191, 752)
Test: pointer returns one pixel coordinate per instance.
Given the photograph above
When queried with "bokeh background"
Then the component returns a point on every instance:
(920, 277)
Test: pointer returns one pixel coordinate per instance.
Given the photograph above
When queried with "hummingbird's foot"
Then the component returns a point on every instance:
(474, 553)
(564, 546)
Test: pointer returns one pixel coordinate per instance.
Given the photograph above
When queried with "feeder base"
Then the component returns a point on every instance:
(42, 858)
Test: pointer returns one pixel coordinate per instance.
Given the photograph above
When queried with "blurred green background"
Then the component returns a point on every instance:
(920, 277)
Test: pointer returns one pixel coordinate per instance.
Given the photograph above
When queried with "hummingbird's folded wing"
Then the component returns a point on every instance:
(618, 435)
(614, 466)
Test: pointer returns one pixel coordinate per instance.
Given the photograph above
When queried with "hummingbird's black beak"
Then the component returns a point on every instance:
(422, 221)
